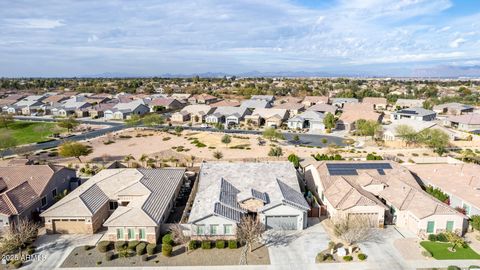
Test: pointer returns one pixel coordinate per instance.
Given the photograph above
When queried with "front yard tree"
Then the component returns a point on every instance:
(134, 120)
(68, 123)
(18, 236)
(249, 231)
(295, 160)
(354, 229)
(5, 120)
(435, 139)
(407, 133)
(272, 134)
(144, 159)
(455, 239)
(74, 149)
(329, 121)
(368, 127)
(226, 139)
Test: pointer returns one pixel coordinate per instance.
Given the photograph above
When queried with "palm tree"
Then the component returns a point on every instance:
(128, 158)
(144, 159)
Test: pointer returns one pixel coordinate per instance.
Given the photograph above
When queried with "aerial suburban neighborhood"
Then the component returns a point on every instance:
(243, 134)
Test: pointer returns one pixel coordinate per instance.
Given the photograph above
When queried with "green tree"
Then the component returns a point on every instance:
(455, 239)
(68, 123)
(407, 133)
(74, 149)
(367, 127)
(226, 139)
(6, 119)
(134, 120)
(435, 139)
(296, 139)
(152, 120)
(329, 121)
(272, 134)
(275, 151)
(295, 160)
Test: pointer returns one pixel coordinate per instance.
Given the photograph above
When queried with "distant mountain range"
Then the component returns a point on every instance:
(443, 71)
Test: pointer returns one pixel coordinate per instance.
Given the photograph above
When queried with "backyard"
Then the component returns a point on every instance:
(439, 251)
(26, 132)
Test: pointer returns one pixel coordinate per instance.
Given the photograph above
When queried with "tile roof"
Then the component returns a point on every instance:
(468, 119)
(94, 198)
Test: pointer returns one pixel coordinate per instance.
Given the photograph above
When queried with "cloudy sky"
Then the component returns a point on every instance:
(142, 37)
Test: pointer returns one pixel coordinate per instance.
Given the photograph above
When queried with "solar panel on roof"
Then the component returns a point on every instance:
(408, 112)
(351, 168)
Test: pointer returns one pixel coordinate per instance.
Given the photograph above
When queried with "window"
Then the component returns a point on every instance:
(120, 234)
(131, 234)
(227, 229)
(200, 229)
(449, 226)
(467, 208)
(113, 205)
(430, 226)
(54, 193)
(141, 233)
(213, 229)
(44, 200)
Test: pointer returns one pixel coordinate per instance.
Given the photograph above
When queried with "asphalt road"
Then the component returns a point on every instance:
(305, 139)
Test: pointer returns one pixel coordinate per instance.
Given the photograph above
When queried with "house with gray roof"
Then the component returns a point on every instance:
(125, 110)
(229, 191)
(267, 98)
(130, 203)
(228, 115)
(255, 104)
(311, 120)
(340, 102)
(467, 122)
(419, 114)
(453, 108)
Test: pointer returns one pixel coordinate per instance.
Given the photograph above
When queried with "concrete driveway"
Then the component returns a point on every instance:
(290, 250)
(52, 249)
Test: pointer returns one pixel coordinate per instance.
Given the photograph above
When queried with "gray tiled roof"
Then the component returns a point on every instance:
(263, 196)
(94, 198)
(227, 212)
(292, 196)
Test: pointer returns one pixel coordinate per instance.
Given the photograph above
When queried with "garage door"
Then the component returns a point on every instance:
(70, 226)
(281, 222)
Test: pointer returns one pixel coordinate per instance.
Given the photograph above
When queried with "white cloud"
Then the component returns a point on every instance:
(457, 42)
(35, 23)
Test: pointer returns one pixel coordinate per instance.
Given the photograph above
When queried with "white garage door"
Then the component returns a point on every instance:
(281, 222)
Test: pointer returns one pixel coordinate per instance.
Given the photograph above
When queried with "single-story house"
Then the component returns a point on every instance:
(268, 117)
(409, 103)
(225, 103)
(292, 108)
(125, 110)
(340, 102)
(418, 114)
(453, 108)
(74, 105)
(195, 113)
(312, 100)
(461, 182)
(227, 192)
(202, 99)
(467, 122)
(131, 203)
(309, 119)
(390, 131)
(377, 103)
(384, 191)
(267, 98)
(323, 108)
(227, 115)
(55, 100)
(26, 190)
(98, 110)
(181, 96)
(160, 104)
(286, 99)
(253, 104)
(354, 112)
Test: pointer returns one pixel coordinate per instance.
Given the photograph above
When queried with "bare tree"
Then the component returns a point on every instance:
(179, 237)
(18, 236)
(249, 230)
(354, 228)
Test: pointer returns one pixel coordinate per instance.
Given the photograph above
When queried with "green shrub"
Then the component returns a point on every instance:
(475, 222)
(206, 244)
(167, 239)
(30, 250)
(87, 247)
(99, 262)
(362, 257)
(108, 256)
(167, 250)
(104, 246)
(16, 263)
(133, 244)
(441, 237)
(328, 257)
(120, 245)
(151, 248)
(432, 237)
(320, 257)
(453, 267)
(220, 244)
(232, 244)
(140, 248)
(474, 267)
(193, 244)
(347, 258)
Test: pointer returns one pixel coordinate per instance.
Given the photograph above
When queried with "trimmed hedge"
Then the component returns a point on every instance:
(133, 244)
(232, 244)
(220, 244)
(104, 246)
(432, 237)
(120, 245)
(362, 257)
(206, 244)
(193, 244)
(347, 258)
(167, 250)
(151, 248)
(167, 239)
(140, 248)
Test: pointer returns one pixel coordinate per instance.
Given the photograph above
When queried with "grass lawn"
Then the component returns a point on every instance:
(29, 132)
(440, 251)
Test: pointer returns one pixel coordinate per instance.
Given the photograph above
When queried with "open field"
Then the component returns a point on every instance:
(26, 132)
